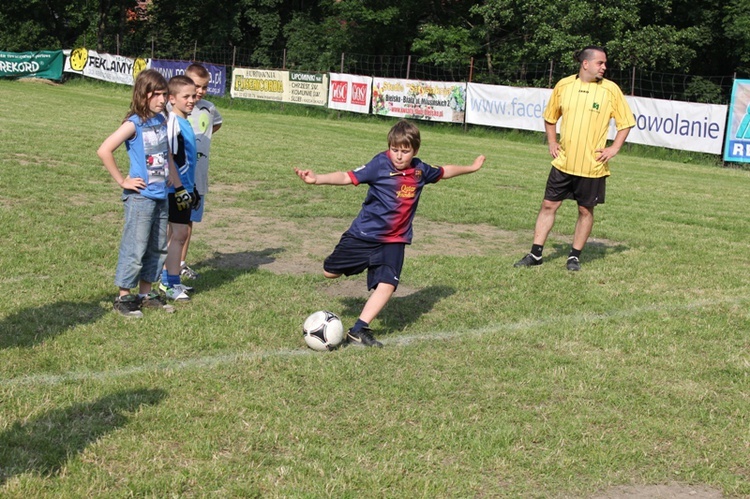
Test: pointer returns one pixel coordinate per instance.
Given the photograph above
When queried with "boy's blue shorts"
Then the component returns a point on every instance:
(352, 255)
(197, 215)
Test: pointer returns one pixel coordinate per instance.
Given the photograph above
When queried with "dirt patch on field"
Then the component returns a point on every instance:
(672, 491)
(300, 248)
(242, 239)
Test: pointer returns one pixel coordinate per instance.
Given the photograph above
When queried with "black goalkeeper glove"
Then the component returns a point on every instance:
(196, 199)
(183, 198)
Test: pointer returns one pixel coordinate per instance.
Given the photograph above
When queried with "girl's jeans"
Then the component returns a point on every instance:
(143, 247)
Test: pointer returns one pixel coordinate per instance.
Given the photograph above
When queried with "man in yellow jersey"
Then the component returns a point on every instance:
(586, 102)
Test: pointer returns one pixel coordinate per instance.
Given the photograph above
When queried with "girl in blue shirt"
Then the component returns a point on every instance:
(143, 246)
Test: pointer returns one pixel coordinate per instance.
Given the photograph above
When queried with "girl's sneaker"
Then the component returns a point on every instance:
(163, 288)
(177, 293)
(128, 306)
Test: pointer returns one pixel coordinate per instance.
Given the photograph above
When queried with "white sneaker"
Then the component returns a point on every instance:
(177, 293)
(185, 287)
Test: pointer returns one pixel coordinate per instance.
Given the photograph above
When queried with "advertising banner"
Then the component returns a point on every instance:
(217, 74)
(676, 125)
(421, 100)
(282, 86)
(737, 142)
(47, 64)
(307, 88)
(508, 107)
(107, 67)
(688, 126)
(349, 92)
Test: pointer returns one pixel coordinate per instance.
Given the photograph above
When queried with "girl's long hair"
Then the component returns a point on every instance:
(147, 82)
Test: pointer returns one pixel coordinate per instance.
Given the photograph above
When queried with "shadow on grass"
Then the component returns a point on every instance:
(400, 312)
(44, 444)
(592, 251)
(34, 325)
(223, 268)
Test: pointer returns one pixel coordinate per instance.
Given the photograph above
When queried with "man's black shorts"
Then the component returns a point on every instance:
(585, 191)
(383, 261)
(178, 216)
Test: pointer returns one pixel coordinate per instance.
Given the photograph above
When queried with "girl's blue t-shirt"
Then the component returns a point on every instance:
(148, 150)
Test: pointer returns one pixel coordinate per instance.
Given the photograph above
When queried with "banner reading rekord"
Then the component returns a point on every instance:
(421, 100)
(47, 64)
(107, 67)
(349, 92)
(737, 140)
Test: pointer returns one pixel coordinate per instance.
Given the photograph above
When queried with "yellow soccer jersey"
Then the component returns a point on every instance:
(586, 110)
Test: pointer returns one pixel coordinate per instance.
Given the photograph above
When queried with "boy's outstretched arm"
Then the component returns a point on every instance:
(450, 171)
(335, 178)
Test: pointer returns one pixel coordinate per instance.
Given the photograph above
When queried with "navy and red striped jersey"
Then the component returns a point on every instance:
(391, 202)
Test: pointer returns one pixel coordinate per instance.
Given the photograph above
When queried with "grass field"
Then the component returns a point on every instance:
(494, 381)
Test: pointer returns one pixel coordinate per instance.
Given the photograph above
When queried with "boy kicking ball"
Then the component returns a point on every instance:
(377, 238)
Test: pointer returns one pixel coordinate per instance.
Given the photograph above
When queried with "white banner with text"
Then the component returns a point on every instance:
(419, 100)
(283, 86)
(673, 124)
(107, 67)
(349, 92)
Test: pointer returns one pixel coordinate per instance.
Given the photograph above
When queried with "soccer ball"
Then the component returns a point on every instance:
(323, 331)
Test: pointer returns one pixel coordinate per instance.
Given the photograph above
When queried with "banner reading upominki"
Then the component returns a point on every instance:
(421, 100)
(283, 86)
(217, 74)
(350, 92)
(47, 64)
(107, 67)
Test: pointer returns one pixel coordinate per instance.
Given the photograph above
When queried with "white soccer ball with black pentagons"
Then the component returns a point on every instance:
(323, 331)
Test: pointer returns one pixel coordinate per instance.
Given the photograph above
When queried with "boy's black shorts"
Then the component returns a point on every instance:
(352, 255)
(584, 190)
(178, 216)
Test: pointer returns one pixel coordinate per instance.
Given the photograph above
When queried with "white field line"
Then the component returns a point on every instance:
(216, 360)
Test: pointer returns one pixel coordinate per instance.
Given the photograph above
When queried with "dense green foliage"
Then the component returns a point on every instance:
(697, 37)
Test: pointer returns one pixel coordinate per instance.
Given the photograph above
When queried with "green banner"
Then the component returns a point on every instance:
(47, 64)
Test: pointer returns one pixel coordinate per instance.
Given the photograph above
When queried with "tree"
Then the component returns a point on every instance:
(42, 24)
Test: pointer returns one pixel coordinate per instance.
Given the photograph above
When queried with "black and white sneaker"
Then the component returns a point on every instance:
(573, 264)
(128, 306)
(528, 261)
(363, 338)
(188, 273)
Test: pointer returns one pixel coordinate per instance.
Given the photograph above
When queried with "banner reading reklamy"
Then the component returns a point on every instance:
(107, 67)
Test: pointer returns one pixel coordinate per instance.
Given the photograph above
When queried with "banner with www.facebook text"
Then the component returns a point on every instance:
(217, 74)
(687, 126)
